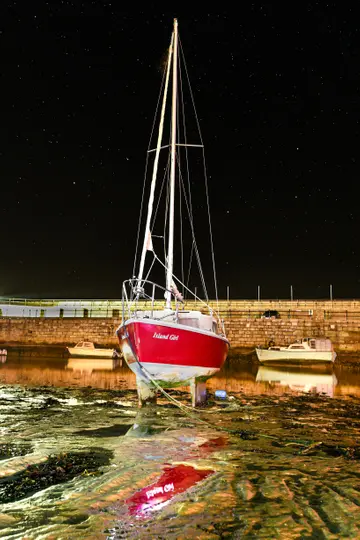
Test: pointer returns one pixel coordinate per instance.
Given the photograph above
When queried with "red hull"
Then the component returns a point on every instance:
(169, 346)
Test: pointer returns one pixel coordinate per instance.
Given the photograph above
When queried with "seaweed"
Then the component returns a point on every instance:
(10, 450)
(57, 469)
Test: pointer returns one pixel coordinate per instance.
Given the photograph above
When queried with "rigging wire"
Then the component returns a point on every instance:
(151, 266)
(197, 254)
(186, 192)
(167, 203)
(145, 172)
(183, 285)
(178, 162)
(141, 212)
(166, 172)
(206, 180)
(187, 160)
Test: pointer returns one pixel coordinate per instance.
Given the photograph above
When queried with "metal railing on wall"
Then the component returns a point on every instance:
(113, 310)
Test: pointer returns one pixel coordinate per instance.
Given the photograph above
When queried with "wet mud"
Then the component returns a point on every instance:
(279, 457)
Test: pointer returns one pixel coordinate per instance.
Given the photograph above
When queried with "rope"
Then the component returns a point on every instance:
(190, 411)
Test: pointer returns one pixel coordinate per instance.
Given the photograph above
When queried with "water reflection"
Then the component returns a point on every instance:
(302, 380)
(174, 480)
(239, 375)
(93, 364)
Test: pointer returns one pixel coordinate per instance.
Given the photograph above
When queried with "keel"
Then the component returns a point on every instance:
(198, 392)
(146, 392)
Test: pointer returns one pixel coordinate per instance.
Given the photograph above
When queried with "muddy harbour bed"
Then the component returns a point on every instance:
(277, 458)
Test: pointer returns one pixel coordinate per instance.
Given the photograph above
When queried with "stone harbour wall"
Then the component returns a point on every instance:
(63, 332)
(345, 335)
(243, 330)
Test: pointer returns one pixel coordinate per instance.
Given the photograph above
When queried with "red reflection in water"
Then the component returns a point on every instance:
(174, 480)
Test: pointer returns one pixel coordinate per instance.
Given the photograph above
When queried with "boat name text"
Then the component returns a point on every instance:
(171, 337)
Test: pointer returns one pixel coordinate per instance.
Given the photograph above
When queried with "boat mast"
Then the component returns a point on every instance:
(170, 255)
(147, 237)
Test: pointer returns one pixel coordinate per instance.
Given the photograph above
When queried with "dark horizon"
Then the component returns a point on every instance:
(278, 96)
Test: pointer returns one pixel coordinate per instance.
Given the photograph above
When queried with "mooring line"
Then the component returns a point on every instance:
(184, 408)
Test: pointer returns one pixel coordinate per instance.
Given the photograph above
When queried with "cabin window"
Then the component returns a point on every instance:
(194, 323)
(297, 347)
(215, 327)
(312, 344)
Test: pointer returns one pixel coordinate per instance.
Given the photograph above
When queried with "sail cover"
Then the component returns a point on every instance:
(149, 244)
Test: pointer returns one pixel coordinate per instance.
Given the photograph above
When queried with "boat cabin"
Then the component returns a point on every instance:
(315, 344)
(194, 319)
(319, 344)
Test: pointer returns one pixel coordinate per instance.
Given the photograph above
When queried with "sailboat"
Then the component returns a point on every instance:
(163, 343)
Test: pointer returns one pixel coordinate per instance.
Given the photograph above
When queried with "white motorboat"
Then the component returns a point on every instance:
(87, 349)
(306, 349)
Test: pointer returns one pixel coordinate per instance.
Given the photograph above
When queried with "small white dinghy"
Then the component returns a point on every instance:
(306, 349)
(87, 349)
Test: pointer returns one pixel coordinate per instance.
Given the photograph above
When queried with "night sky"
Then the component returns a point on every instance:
(277, 91)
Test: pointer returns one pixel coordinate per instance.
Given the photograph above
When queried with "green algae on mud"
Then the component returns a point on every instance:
(56, 469)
